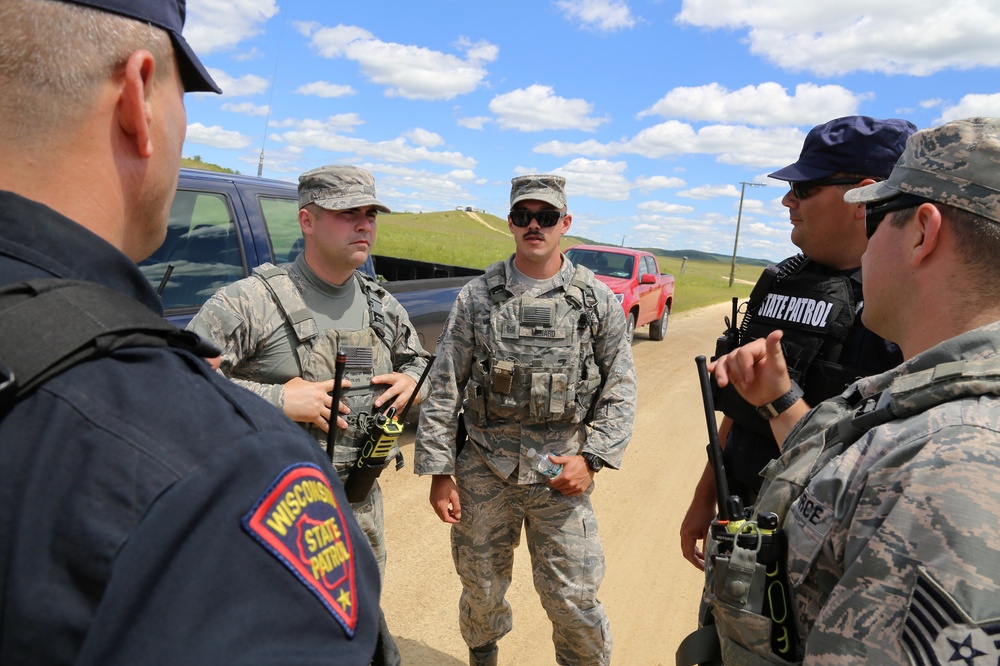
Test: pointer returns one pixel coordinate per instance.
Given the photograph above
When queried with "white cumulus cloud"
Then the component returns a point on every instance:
(664, 207)
(246, 108)
(242, 19)
(918, 38)
(537, 108)
(248, 84)
(216, 136)
(408, 71)
(972, 106)
(328, 136)
(650, 183)
(325, 89)
(731, 144)
(767, 104)
(601, 15)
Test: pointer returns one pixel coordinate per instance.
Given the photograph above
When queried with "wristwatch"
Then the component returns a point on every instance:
(773, 409)
(593, 462)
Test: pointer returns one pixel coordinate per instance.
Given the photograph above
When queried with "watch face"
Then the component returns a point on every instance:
(593, 462)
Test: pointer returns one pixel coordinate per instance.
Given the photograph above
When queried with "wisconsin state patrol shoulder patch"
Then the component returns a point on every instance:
(299, 520)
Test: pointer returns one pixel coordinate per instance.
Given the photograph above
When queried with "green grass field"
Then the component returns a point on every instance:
(453, 237)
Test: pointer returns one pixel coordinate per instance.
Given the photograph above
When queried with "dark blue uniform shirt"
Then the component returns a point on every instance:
(152, 512)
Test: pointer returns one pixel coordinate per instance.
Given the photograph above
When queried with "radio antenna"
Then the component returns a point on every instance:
(270, 98)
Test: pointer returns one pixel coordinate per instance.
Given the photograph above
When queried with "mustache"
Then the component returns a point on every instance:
(533, 234)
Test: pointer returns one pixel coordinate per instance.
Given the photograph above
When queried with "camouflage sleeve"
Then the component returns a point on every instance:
(408, 355)
(435, 440)
(614, 409)
(909, 574)
(227, 319)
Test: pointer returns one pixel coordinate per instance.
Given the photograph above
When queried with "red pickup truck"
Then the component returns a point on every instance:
(634, 276)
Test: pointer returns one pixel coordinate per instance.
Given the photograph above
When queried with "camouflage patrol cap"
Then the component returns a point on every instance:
(542, 187)
(957, 164)
(339, 187)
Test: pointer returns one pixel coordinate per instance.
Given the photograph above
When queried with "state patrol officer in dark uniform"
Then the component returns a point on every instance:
(815, 297)
(151, 512)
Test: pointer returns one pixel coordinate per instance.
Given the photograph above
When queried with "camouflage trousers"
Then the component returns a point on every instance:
(368, 513)
(567, 560)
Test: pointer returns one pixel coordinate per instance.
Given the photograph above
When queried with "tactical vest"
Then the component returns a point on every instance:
(537, 364)
(367, 351)
(826, 433)
(816, 313)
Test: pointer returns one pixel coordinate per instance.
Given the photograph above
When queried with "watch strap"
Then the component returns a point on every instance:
(593, 462)
(774, 408)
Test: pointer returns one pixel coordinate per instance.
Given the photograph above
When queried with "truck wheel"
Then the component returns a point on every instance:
(658, 328)
(630, 327)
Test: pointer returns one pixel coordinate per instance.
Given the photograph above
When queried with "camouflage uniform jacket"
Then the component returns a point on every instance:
(892, 530)
(467, 335)
(243, 318)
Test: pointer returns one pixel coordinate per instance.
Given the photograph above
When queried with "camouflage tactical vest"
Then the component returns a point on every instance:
(536, 364)
(367, 352)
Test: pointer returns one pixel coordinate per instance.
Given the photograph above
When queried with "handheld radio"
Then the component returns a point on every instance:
(381, 434)
(750, 566)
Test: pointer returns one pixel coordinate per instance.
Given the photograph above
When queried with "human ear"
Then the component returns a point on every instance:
(135, 114)
(926, 233)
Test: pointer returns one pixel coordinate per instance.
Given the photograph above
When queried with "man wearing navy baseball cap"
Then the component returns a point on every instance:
(814, 297)
(151, 512)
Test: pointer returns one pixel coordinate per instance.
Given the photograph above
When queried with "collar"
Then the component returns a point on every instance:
(36, 241)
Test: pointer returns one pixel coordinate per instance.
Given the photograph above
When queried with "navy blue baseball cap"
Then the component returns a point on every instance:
(168, 15)
(853, 144)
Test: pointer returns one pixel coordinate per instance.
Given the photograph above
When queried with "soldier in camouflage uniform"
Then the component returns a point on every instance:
(890, 493)
(536, 353)
(333, 306)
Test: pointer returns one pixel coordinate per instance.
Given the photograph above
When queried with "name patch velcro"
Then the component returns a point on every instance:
(300, 522)
(803, 310)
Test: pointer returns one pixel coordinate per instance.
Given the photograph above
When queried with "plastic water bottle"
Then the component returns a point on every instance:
(543, 465)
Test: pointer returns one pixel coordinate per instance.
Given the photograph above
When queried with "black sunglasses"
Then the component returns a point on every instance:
(546, 218)
(803, 189)
(876, 211)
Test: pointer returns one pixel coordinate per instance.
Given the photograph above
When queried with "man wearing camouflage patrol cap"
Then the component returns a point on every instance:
(888, 494)
(536, 354)
(139, 491)
(281, 328)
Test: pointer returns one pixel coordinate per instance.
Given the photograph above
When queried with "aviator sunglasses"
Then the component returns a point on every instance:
(876, 211)
(803, 189)
(546, 218)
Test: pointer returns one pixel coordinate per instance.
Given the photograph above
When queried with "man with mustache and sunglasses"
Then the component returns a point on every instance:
(888, 493)
(536, 355)
(815, 297)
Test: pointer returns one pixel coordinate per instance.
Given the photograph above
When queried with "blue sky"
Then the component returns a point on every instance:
(654, 111)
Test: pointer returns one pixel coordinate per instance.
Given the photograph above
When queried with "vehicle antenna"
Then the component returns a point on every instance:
(270, 98)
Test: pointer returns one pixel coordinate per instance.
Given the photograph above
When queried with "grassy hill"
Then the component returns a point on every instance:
(455, 237)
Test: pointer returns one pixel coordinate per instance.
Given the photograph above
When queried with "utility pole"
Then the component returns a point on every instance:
(739, 215)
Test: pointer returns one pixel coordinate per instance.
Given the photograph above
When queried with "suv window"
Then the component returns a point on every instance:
(281, 215)
(200, 254)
